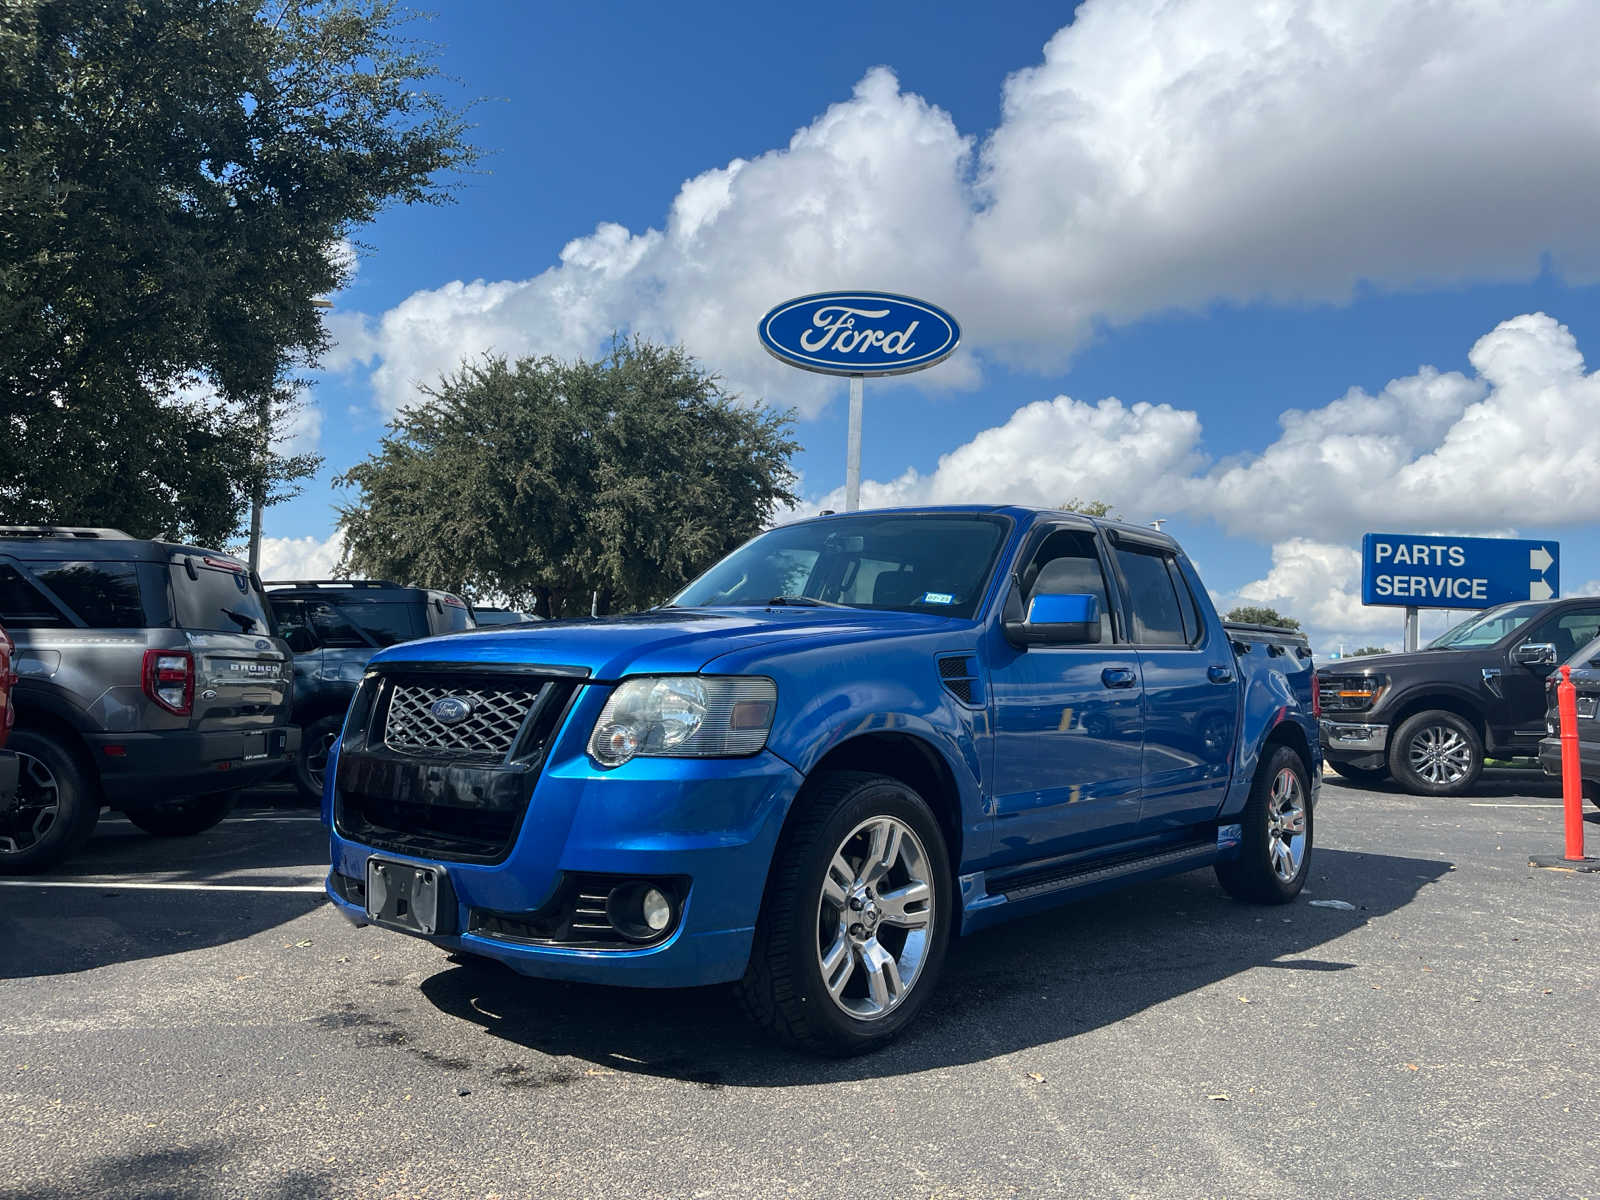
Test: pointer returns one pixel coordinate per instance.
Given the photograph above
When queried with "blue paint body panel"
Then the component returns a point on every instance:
(1056, 755)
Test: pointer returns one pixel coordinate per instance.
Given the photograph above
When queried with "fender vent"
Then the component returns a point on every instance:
(959, 674)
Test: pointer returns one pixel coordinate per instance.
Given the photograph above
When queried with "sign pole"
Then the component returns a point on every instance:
(852, 468)
(1412, 639)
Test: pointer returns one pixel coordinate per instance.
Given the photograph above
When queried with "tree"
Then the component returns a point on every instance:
(1365, 650)
(1250, 614)
(540, 481)
(177, 181)
(1089, 508)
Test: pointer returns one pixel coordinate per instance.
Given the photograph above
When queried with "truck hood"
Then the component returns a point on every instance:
(1427, 660)
(663, 641)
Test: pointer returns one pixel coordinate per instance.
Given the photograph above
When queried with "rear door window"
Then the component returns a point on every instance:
(218, 600)
(1157, 615)
(23, 606)
(104, 595)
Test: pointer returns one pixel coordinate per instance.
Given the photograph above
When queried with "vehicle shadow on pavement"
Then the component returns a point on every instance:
(1495, 781)
(156, 1173)
(1032, 982)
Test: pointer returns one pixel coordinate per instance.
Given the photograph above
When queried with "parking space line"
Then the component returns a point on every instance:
(1488, 804)
(119, 885)
(233, 820)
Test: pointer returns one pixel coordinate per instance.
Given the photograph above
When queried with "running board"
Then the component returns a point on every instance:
(1181, 858)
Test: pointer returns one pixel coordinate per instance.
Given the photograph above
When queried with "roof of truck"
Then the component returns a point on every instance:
(1021, 513)
(79, 543)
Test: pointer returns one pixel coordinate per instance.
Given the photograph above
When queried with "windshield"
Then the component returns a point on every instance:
(218, 600)
(915, 562)
(1486, 628)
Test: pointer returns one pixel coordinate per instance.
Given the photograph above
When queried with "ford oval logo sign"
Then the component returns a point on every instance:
(450, 710)
(859, 333)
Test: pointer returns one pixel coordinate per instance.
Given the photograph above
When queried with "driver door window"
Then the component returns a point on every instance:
(1067, 565)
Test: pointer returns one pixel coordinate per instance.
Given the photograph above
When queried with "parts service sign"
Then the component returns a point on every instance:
(1449, 572)
(859, 333)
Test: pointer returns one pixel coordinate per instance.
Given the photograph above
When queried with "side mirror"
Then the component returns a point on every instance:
(1056, 620)
(1535, 654)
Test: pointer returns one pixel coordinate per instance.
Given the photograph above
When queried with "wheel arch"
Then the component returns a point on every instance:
(48, 723)
(916, 763)
(1467, 709)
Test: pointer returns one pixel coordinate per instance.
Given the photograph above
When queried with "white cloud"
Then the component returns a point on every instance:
(1164, 153)
(301, 557)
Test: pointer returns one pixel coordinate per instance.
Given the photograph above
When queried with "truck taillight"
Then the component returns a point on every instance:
(169, 679)
(1316, 696)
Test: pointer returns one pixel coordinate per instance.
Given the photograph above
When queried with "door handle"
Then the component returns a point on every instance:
(1118, 677)
(1219, 674)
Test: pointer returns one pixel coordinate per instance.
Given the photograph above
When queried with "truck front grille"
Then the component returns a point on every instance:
(413, 782)
(494, 717)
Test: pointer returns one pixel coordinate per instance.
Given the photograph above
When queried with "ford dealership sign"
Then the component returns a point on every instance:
(859, 333)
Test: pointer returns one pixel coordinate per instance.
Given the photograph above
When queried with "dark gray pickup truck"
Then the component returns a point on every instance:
(1429, 718)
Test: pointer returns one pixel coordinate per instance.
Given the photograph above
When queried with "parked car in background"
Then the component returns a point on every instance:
(852, 739)
(334, 627)
(1585, 666)
(486, 616)
(8, 716)
(1430, 717)
(150, 680)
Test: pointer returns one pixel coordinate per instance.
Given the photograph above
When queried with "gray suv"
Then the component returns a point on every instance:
(150, 680)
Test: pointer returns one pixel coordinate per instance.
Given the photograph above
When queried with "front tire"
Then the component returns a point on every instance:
(196, 814)
(1275, 855)
(316, 740)
(1436, 753)
(56, 807)
(857, 917)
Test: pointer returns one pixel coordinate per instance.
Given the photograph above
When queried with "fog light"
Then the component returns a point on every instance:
(639, 911)
(657, 910)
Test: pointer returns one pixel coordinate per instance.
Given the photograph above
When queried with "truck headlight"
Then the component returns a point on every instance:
(1352, 693)
(684, 716)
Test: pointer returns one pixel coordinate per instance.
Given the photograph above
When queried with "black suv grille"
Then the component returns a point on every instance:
(409, 782)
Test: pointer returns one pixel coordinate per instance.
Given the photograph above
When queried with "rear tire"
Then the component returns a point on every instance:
(56, 808)
(1275, 855)
(312, 759)
(187, 817)
(860, 895)
(1361, 775)
(1436, 753)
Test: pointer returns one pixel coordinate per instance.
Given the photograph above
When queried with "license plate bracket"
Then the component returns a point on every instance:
(417, 899)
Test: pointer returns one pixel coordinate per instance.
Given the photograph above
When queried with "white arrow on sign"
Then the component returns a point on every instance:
(1540, 590)
(1539, 560)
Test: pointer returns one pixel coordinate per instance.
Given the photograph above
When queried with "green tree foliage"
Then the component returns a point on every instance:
(540, 481)
(175, 179)
(1366, 650)
(1089, 508)
(1250, 614)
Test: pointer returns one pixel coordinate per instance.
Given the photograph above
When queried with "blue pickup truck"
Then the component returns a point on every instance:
(849, 741)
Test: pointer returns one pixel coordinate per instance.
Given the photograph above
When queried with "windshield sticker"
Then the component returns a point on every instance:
(937, 598)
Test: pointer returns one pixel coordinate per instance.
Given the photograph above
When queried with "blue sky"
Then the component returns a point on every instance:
(1197, 205)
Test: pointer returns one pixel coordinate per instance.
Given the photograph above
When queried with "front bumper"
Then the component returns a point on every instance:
(1351, 742)
(142, 770)
(713, 823)
(1588, 759)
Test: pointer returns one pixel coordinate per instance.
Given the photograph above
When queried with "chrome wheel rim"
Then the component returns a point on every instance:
(875, 915)
(34, 812)
(1286, 825)
(1439, 754)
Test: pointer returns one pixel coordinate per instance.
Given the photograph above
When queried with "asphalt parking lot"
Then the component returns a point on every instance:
(188, 1019)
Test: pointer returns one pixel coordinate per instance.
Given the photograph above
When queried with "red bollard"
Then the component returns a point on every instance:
(1571, 771)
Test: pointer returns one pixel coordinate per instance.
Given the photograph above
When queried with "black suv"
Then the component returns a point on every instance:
(334, 627)
(1585, 666)
(1429, 717)
(149, 679)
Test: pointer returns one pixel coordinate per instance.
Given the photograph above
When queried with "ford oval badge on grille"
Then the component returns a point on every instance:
(450, 710)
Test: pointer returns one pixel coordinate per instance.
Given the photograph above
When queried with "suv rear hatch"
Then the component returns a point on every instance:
(242, 672)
